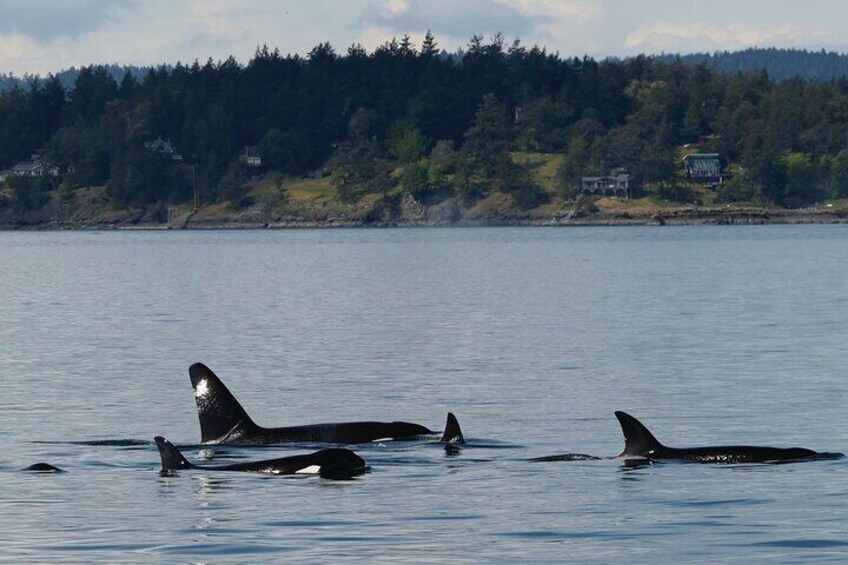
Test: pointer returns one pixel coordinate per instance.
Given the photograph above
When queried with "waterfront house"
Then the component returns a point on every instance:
(32, 167)
(704, 168)
(619, 185)
(251, 157)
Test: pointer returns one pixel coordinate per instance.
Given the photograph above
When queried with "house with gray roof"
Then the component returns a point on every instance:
(619, 185)
(32, 167)
(704, 168)
(163, 147)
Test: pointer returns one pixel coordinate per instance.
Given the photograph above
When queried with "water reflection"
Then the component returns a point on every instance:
(631, 464)
(634, 469)
(452, 450)
(206, 523)
(207, 487)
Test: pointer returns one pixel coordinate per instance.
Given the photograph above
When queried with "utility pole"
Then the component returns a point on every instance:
(196, 191)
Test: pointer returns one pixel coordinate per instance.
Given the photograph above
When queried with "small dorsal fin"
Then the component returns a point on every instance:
(172, 459)
(221, 416)
(638, 441)
(453, 433)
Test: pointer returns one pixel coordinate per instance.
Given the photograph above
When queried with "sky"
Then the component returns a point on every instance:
(44, 36)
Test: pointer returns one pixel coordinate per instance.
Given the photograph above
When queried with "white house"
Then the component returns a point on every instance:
(251, 157)
(32, 167)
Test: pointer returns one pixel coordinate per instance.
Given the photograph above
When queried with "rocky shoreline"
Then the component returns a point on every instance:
(409, 213)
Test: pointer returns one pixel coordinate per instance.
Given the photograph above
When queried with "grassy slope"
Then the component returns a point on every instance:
(315, 200)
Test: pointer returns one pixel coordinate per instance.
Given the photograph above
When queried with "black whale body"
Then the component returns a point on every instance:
(329, 463)
(43, 468)
(641, 444)
(224, 421)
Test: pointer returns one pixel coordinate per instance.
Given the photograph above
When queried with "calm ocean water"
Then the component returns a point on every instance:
(533, 337)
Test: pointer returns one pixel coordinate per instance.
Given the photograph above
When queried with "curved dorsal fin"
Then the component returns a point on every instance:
(221, 416)
(172, 459)
(638, 441)
(453, 433)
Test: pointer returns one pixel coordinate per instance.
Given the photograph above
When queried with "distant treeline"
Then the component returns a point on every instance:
(780, 64)
(407, 118)
(68, 77)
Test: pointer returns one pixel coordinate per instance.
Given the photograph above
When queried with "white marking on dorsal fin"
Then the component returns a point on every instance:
(202, 388)
(382, 439)
(311, 470)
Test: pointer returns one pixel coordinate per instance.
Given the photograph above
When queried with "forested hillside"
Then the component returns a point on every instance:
(409, 119)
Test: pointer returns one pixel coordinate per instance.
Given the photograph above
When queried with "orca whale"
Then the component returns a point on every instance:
(224, 421)
(639, 443)
(329, 463)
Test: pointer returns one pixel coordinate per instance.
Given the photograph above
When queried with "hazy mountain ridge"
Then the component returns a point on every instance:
(780, 64)
(68, 77)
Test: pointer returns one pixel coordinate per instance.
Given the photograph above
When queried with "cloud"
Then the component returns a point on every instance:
(151, 32)
(452, 18)
(45, 20)
(557, 19)
(223, 18)
(15, 47)
(556, 12)
(701, 36)
(454, 22)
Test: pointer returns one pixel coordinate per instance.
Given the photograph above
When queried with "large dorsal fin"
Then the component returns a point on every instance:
(221, 416)
(453, 433)
(172, 459)
(638, 441)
